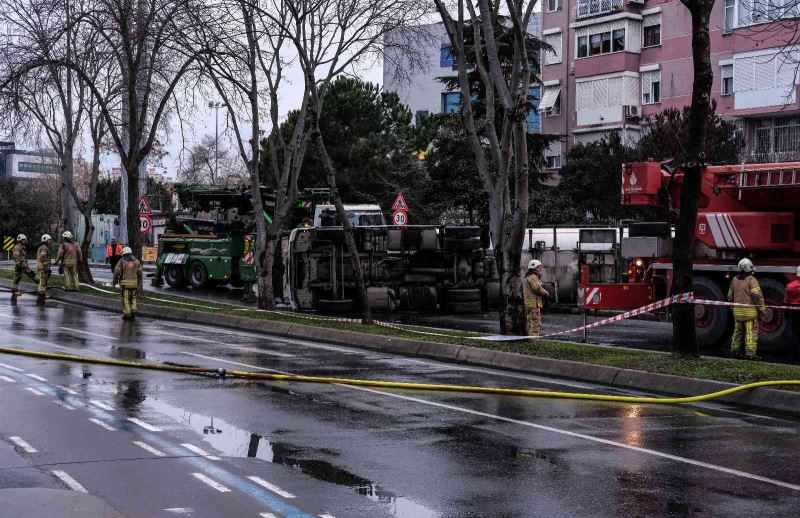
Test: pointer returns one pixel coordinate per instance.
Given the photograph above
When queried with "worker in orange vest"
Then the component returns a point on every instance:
(113, 253)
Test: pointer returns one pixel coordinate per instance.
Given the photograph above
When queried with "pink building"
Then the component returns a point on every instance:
(615, 61)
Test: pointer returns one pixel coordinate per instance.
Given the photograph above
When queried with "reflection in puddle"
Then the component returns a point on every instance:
(235, 442)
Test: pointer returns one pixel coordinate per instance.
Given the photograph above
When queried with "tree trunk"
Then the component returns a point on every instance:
(132, 216)
(84, 271)
(266, 290)
(684, 334)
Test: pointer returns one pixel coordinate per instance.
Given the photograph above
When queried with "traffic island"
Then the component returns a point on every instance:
(626, 368)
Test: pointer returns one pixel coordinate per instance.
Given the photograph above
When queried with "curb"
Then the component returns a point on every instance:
(763, 399)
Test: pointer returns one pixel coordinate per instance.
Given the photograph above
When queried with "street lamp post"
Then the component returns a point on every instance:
(216, 105)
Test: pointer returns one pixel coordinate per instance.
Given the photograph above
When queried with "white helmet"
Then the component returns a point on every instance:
(22, 237)
(67, 234)
(127, 250)
(534, 263)
(798, 271)
(46, 238)
(746, 265)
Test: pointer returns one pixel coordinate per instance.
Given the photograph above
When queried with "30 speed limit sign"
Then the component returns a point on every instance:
(399, 218)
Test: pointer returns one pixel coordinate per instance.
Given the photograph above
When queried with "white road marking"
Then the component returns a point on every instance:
(19, 441)
(179, 510)
(326, 516)
(80, 331)
(10, 367)
(67, 390)
(223, 344)
(147, 447)
(216, 485)
(62, 404)
(69, 481)
(275, 489)
(233, 363)
(268, 515)
(7, 379)
(102, 424)
(34, 391)
(34, 376)
(148, 427)
(203, 453)
(100, 404)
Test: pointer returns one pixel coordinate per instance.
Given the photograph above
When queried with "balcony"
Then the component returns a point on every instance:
(588, 8)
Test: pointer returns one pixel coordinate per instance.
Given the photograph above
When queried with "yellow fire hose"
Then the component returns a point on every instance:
(396, 384)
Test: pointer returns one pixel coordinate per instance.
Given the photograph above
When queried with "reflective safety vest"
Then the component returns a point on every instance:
(112, 249)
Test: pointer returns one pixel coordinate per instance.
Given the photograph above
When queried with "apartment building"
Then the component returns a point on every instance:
(617, 61)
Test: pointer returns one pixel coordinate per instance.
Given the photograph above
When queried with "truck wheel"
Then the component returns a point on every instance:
(711, 321)
(335, 306)
(776, 333)
(174, 277)
(198, 275)
(463, 307)
(463, 295)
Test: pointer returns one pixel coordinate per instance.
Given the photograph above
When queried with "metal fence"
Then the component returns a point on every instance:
(584, 8)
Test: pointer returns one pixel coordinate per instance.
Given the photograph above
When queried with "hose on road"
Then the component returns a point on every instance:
(266, 376)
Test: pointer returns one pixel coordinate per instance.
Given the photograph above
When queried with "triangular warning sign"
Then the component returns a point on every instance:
(144, 206)
(400, 203)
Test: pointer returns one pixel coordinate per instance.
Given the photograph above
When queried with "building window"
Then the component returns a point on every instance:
(446, 56)
(600, 43)
(550, 105)
(652, 35)
(554, 5)
(727, 79)
(730, 15)
(451, 102)
(651, 87)
(553, 55)
(776, 140)
(552, 161)
(532, 123)
(37, 167)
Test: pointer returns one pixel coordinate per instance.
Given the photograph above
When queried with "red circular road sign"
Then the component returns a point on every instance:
(399, 218)
(145, 223)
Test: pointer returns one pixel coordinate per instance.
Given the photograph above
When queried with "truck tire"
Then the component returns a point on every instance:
(464, 307)
(776, 332)
(712, 322)
(335, 306)
(198, 275)
(174, 276)
(463, 295)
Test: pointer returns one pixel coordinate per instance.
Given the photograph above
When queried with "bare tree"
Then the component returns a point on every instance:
(505, 168)
(207, 164)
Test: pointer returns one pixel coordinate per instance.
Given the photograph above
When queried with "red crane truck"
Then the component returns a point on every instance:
(750, 210)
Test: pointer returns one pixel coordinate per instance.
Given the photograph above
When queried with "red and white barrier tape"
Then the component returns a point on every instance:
(707, 302)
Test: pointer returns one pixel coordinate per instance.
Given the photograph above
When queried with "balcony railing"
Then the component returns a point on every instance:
(586, 8)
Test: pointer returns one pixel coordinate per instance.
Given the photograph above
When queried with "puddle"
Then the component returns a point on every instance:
(232, 441)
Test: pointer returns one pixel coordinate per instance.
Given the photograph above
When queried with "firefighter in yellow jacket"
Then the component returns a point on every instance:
(69, 255)
(746, 290)
(128, 274)
(534, 297)
(20, 257)
(43, 258)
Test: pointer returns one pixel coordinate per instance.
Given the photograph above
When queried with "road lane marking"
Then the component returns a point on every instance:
(34, 391)
(100, 404)
(199, 451)
(19, 441)
(275, 489)
(148, 427)
(10, 367)
(268, 515)
(326, 516)
(577, 435)
(234, 363)
(35, 376)
(7, 379)
(147, 447)
(81, 331)
(102, 424)
(179, 510)
(223, 344)
(67, 390)
(216, 485)
(69, 481)
(62, 404)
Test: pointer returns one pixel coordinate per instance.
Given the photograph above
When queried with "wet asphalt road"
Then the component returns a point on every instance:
(156, 444)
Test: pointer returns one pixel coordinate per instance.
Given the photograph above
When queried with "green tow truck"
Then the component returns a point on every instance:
(212, 243)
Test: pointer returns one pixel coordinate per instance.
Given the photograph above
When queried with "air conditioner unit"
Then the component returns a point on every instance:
(631, 111)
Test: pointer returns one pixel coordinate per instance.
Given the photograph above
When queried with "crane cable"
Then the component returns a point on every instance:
(266, 376)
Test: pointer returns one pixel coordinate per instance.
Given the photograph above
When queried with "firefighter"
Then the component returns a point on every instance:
(113, 253)
(746, 290)
(128, 274)
(43, 258)
(534, 297)
(20, 257)
(792, 298)
(68, 257)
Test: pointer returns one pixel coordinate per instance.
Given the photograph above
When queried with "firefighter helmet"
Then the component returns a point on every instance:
(113, 239)
(67, 234)
(746, 265)
(798, 271)
(46, 238)
(127, 251)
(22, 237)
(533, 264)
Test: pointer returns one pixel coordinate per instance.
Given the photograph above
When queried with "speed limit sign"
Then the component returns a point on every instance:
(399, 218)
